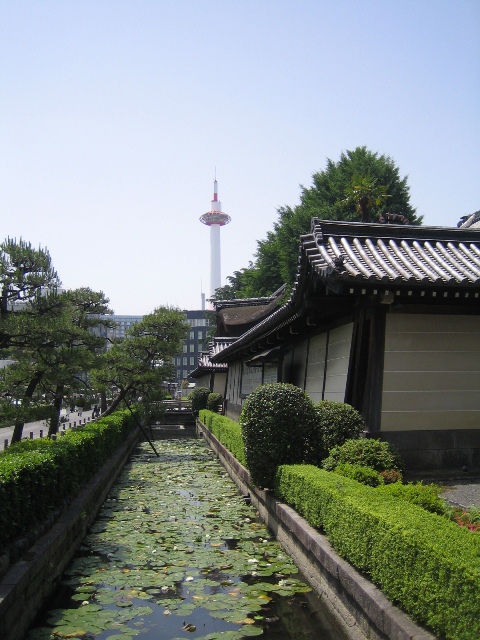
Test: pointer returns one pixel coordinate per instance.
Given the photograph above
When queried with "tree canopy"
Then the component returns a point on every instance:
(56, 347)
(55, 344)
(136, 366)
(361, 186)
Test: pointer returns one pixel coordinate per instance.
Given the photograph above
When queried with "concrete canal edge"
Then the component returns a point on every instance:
(28, 583)
(358, 607)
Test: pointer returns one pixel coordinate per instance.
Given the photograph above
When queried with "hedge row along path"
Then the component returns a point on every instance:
(176, 553)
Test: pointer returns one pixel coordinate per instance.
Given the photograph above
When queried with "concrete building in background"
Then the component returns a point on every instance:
(185, 361)
(215, 219)
(193, 346)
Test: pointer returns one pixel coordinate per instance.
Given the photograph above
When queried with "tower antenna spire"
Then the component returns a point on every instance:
(215, 218)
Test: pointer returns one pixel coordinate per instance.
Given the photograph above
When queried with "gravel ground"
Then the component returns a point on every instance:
(465, 493)
(458, 490)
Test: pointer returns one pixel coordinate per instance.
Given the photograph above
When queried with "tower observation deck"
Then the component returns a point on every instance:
(215, 218)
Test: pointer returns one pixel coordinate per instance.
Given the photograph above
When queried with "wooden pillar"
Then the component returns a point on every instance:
(365, 373)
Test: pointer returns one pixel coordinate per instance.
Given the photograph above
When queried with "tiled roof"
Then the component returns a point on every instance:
(205, 363)
(376, 257)
(394, 254)
(470, 222)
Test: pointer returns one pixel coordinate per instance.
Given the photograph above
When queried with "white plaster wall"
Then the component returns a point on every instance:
(431, 372)
(337, 363)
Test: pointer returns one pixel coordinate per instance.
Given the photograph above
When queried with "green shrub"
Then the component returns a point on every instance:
(376, 454)
(36, 476)
(426, 496)
(227, 431)
(338, 421)
(214, 402)
(365, 475)
(276, 421)
(198, 399)
(425, 563)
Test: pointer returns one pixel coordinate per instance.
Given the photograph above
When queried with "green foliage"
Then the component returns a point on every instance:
(227, 431)
(277, 255)
(338, 421)
(24, 273)
(137, 366)
(38, 475)
(368, 452)
(198, 399)
(276, 421)
(425, 563)
(214, 402)
(426, 496)
(367, 194)
(365, 475)
(57, 344)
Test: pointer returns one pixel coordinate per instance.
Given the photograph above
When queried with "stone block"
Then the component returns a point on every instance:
(467, 438)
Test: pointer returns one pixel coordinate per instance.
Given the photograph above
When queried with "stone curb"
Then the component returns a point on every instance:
(30, 581)
(360, 608)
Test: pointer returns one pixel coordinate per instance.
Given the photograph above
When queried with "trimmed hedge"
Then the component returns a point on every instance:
(227, 431)
(426, 496)
(421, 561)
(36, 476)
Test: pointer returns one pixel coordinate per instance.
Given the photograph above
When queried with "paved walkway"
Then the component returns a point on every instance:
(40, 427)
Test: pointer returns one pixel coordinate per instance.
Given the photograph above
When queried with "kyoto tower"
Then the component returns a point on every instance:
(215, 219)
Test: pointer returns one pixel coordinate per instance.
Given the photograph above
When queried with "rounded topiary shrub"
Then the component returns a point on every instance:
(338, 421)
(376, 454)
(198, 399)
(214, 402)
(276, 420)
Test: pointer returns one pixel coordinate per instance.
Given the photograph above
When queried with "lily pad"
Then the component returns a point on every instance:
(176, 533)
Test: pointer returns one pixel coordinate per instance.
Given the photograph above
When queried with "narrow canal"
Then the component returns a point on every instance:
(176, 553)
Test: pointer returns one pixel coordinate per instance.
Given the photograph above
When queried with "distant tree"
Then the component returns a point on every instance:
(58, 345)
(25, 274)
(358, 182)
(137, 366)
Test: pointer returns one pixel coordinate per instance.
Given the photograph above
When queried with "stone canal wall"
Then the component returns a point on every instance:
(29, 582)
(357, 605)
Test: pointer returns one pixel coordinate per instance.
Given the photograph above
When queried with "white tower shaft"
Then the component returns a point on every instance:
(215, 259)
(215, 219)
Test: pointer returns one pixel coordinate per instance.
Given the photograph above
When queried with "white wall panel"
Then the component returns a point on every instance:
(316, 367)
(337, 363)
(431, 372)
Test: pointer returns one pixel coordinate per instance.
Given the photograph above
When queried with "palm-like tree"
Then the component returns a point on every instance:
(365, 193)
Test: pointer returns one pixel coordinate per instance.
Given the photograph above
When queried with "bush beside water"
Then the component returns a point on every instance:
(227, 431)
(36, 476)
(423, 562)
(276, 421)
(214, 402)
(399, 535)
(198, 399)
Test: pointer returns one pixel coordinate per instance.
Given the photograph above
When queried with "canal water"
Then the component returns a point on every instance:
(177, 553)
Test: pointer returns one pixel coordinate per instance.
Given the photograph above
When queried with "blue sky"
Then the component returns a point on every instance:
(114, 115)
